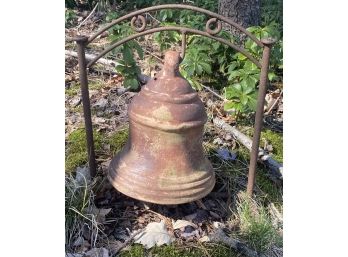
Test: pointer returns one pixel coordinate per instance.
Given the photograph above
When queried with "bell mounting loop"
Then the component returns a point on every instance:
(138, 19)
(216, 23)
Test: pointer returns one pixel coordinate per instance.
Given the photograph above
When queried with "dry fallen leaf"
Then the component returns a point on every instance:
(99, 213)
(155, 233)
(183, 223)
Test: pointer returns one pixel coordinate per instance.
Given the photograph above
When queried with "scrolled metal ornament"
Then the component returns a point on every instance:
(217, 24)
(142, 22)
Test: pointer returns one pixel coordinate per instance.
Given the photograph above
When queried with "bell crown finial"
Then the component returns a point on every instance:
(172, 60)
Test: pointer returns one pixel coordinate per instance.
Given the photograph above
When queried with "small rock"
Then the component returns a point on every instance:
(101, 103)
(218, 225)
(228, 137)
(75, 101)
(269, 148)
(79, 241)
(183, 224)
(217, 141)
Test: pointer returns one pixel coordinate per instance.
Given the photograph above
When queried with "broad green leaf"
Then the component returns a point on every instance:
(253, 29)
(199, 69)
(272, 76)
(131, 82)
(252, 102)
(206, 67)
(216, 46)
(241, 57)
(139, 50)
(231, 92)
(232, 67)
(247, 89)
(244, 99)
(249, 81)
(234, 74)
(127, 55)
(229, 105)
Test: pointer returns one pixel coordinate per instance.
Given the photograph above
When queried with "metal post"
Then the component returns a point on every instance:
(259, 113)
(81, 42)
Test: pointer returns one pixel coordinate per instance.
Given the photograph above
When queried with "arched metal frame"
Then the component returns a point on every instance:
(216, 19)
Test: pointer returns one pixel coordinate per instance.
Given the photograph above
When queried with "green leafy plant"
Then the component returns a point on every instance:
(243, 75)
(167, 39)
(242, 98)
(127, 67)
(197, 61)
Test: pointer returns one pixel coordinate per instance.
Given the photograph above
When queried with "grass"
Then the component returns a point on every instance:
(78, 198)
(271, 192)
(256, 225)
(216, 250)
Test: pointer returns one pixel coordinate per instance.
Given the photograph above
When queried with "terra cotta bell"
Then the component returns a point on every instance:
(163, 161)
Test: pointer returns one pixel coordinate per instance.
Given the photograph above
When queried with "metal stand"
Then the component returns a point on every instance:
(81, 43)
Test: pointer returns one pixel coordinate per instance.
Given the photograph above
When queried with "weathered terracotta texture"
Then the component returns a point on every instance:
(163, 161)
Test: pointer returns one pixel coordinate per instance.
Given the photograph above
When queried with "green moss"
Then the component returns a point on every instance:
(95, 85)
(273, 138)
(276, 140)
(75, 89)
(216, 250)
(76, 153)
(117, 140)
(135, 250)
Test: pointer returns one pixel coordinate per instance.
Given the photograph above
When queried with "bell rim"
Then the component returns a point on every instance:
(163, 200)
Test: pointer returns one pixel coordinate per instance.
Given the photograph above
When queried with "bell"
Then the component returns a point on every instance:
(163, 161)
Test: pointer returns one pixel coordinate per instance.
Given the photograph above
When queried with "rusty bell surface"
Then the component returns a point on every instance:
(163, 161)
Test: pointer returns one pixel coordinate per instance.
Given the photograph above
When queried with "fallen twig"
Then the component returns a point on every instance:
(84, 21)
(90, 57)
(275, 167)
(214, 93)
